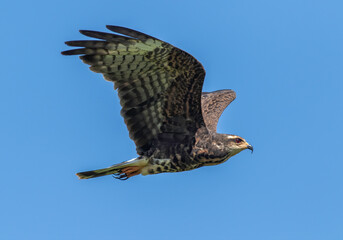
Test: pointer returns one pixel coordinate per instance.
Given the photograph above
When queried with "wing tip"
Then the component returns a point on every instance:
(130, 32)
(70, 43)
(77, 51)
(67, 53)
(86, 32)
(113, 27)
(225, 91)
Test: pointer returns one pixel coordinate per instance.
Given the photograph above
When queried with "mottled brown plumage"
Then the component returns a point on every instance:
(159, 87)
(213, 104)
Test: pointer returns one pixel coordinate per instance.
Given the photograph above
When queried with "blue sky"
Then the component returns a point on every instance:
(284, 59)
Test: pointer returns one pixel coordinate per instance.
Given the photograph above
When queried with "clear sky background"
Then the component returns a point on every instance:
(283, 58)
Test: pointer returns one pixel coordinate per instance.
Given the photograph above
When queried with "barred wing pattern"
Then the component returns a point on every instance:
(159, 85)
(213, 105)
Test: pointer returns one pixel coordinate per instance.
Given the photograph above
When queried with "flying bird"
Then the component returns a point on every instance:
(171, 121)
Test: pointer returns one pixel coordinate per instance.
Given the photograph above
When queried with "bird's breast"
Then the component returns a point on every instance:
(175, 164)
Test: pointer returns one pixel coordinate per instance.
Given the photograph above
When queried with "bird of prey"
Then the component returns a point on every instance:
(171, 121)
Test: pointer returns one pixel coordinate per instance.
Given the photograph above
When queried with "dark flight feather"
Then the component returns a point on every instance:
(213, 105)
(159, 85)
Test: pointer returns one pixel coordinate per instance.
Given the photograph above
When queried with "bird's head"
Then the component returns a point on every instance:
(235, 144)
(224, 146)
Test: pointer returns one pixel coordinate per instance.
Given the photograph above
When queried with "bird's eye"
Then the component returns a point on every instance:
(238, 140)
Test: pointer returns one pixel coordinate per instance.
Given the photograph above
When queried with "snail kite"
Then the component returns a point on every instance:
(172, 122)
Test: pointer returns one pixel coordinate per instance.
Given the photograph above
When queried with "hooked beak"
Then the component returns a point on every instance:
(250, 148)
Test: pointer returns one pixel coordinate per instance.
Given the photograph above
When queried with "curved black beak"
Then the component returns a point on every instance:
(250, 148)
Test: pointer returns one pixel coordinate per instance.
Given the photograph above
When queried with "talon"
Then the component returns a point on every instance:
(130, 171)
(120, 176)
(126, 173)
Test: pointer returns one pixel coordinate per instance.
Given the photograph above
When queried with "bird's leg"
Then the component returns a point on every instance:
(120, 176)
(131, 171)
(127, 172)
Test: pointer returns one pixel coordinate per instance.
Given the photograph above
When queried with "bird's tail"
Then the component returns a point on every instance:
(117, 169)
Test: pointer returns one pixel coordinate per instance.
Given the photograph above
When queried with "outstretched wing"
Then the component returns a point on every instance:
(213, 104)
(159, 85)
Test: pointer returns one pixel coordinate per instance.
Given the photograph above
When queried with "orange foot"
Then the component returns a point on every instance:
(127, 172)
(131, 171)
